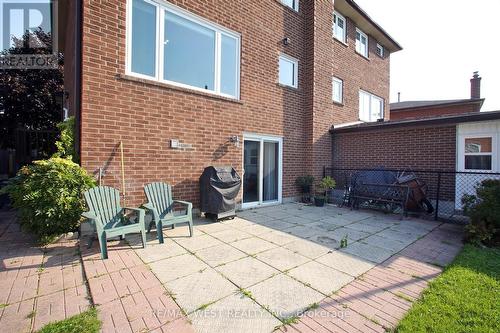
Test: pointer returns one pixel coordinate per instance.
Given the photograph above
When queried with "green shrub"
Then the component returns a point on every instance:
(66, 143)
(304, 183)
(48, 196)
(484, 212)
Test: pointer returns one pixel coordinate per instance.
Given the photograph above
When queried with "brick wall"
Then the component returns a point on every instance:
(146, 115)
(429, 148)
(358, 72)
(401, 148)
(435, 111)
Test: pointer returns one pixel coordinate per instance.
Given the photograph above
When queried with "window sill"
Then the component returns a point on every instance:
(344, 44)
(281, 85)
(164, 85)
(338, 103)
(362, 56)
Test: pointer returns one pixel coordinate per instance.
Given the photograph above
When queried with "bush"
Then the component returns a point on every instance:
(304, 183)
(48, 196)
(66, 143)
(484, 212)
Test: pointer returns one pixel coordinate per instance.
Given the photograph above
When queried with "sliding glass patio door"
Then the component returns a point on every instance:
(262, 164)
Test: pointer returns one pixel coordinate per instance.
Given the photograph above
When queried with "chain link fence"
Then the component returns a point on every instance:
(444, 189)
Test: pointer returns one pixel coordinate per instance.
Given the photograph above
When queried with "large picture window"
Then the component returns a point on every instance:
(170, 45)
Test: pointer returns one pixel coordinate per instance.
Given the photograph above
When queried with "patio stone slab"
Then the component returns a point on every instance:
(307, 248)
(300, 220)
(320, 277)
(281, 258)
(160, 251)
(197, 242)
(278, 225)
(212, 227)
(199, 289)
(220, 254)
(230, 235)
(256, 229)
(352, 234)
(284, 296)
(326, 240)
(368, 252)
(247, 271)
(253, 245)
(385, 243)
(176, 267)
(278, 237)
(277, 214)
(305, 231)
(346, 263)
(336, 220)
(369, 227)
(181, 231)
(236, 313)
(396, 235)
(15, 317)
(259, 218)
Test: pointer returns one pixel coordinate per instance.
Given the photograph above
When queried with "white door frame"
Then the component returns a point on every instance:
(264, 138)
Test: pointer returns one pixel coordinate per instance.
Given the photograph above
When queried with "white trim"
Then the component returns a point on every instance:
(341, 82)
(161, 8)
(380, 50)
(295, 5)
(372, 96)
(295, 63)
(358, 43)
(335, 26)
(261, 139)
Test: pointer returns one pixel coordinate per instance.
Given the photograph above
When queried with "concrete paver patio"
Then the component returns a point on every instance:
(273, 263)
(267, 266)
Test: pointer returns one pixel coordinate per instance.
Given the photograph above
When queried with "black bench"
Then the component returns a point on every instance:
(381, 193)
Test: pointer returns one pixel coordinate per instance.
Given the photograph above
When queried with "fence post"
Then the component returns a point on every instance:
(436, 213)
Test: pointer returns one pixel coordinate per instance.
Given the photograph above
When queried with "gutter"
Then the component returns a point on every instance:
(445, 120)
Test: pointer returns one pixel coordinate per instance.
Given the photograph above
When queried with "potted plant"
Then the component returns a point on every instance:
(305, 183)
(325, 185)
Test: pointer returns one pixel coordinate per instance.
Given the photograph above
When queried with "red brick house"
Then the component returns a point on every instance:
(188, 84)
(436, 108)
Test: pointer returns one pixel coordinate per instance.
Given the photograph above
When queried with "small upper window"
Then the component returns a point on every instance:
(478, 153)
(288, 71)
(338, 86)
(294, 4)
(380, 50)
(339, 27)
(361, 43)
(371, 107)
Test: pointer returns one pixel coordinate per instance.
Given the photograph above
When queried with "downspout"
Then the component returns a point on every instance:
(78, 75)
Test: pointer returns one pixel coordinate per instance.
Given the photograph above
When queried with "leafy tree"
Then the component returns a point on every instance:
(28, 96)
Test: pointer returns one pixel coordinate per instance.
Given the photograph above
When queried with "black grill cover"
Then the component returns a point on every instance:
(219, 187)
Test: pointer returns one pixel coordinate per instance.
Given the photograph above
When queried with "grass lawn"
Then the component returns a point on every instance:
(85, 322)
(465, 298)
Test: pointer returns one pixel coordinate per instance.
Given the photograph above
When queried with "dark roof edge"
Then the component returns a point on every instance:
(368, 18)
(445, 120)
(465, 101)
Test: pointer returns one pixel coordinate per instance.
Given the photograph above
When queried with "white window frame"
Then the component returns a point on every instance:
(295, 63)
(161, 7)
(295, 5)
(372, 96)
(358, 43)
(336, 17)
(261, 139)
(492, 153)
(380, 50)
(341, 82)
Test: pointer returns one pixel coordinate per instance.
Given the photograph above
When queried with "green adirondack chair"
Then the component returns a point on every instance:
(108, 217)
(161, 203)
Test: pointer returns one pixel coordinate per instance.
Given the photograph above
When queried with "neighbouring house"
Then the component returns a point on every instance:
(451, 140)
(421, 109)
(188, 84)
